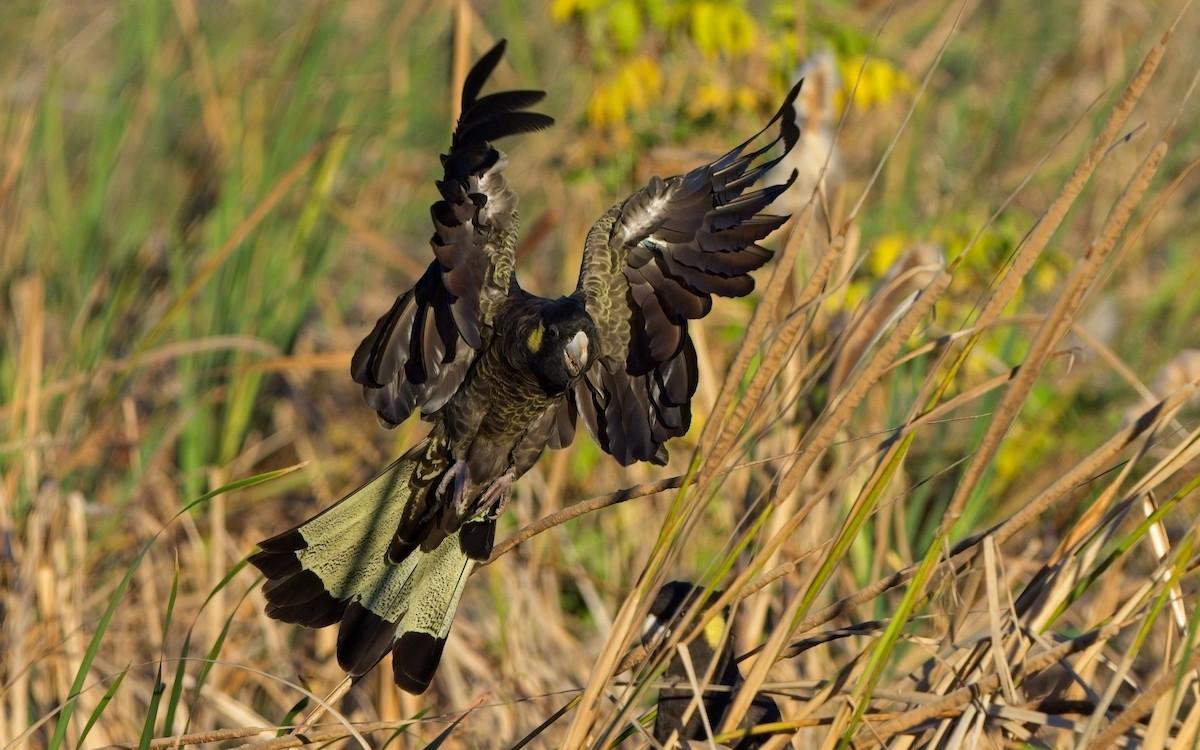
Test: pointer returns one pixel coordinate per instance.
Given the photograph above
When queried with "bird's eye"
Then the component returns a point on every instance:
(554, 331)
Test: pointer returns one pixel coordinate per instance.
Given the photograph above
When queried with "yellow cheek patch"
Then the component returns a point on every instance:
(713, 630)
(534, 342)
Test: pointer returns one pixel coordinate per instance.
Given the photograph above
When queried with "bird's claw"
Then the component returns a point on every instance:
(491, 504)
(494, 501)
(455, 480)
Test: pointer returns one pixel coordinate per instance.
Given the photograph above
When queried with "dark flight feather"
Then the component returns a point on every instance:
(480, 72)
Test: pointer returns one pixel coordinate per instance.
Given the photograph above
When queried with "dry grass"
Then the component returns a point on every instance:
(948, 507)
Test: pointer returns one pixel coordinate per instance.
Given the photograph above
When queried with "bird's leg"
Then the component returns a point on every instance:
(494, 500)
(455, 476)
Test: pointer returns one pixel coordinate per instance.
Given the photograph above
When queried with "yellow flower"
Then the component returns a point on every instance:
(740, 31)
(879, 82)
(703, 27)
(709, 99)
(717, 27)
(565, 10)
(887, 250)
(631, 90)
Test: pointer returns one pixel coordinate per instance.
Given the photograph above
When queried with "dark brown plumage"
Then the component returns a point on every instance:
(502, 374)
(677, 701)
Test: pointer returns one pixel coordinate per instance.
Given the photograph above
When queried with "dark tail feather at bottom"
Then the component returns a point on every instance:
(334, 568)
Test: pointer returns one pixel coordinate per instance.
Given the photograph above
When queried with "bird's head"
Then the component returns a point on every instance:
(670, 603)
(561, 344)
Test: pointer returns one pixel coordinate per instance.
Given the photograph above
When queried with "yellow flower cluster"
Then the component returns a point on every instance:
(880, 82)
(565, 10)
(718, 99)
(721, 28)
(630, 90)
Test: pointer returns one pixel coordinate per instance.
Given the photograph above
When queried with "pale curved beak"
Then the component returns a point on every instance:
(576, 354)
(653, 629)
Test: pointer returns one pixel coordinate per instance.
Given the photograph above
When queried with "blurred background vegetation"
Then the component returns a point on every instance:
(205, 206)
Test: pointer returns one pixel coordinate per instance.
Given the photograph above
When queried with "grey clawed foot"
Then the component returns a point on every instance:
(491, 504)
(456, 477)
(494, 501)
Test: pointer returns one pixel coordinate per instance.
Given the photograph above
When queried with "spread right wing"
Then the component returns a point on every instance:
(651, 264)
(419, 351)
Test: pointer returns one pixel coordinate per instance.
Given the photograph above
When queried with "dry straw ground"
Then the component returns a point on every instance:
(944, 458)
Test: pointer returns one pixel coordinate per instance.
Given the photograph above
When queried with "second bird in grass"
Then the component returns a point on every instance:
(675, 703)
(502, 374)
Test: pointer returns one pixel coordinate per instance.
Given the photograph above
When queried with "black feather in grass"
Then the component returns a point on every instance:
(671, 602)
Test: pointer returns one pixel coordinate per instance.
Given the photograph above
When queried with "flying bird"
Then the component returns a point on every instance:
(671, 602)
(501, 374)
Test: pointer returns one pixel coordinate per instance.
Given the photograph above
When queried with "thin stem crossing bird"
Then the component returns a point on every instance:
(502, 374)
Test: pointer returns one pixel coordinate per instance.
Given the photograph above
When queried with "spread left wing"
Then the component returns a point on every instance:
(651, 264)
(419, 351)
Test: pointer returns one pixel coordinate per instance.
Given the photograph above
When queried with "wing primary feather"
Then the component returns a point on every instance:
(498, 104)
(512, 123)
(786, 117)
(737, 186)
(364, 365)
(744, 208)
(480, 72)
(414, 368)
(514, 99)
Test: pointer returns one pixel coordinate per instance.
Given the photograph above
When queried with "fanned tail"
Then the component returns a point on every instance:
(335, 568)
(439, 578)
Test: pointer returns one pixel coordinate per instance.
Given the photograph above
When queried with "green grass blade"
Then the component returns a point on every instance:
(215, 651)
(98, 711)
(177, 684)
(89, 656)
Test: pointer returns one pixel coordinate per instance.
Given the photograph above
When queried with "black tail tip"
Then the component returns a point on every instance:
(364, 638)
(415, 658)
